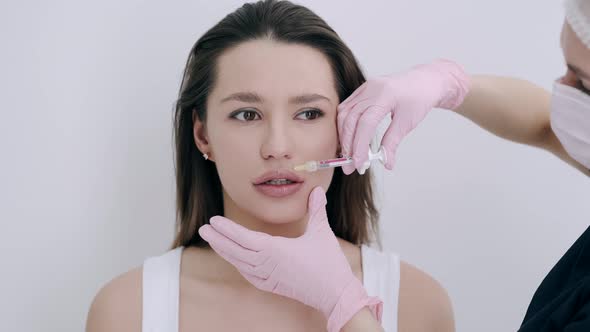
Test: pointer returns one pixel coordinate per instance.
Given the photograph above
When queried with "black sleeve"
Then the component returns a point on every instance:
(562, 301)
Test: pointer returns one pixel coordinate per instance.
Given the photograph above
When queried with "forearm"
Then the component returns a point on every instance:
(516, 110)
(362, 321)
(510, 108)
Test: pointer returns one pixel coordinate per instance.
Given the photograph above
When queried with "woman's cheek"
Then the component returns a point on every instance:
(320, 146)
(324, 143)
(233, 145)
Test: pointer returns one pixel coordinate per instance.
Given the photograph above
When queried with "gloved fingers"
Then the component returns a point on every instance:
(221, 242)
(347, 131)
(365, 131)
(254, 280)
(348, 169)
(349, 125)
(271, 284)
(259, 271)
(391, 139)
(244, 237)
(345, 103)
(316, 207)
(346, 126)
(317, 199)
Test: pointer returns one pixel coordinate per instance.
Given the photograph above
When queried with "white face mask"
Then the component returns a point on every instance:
(570, 120)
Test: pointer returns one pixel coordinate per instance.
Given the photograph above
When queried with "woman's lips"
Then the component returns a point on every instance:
(278, 190)
(278, 174)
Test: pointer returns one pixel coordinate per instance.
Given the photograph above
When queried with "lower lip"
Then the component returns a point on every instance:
(281, 190)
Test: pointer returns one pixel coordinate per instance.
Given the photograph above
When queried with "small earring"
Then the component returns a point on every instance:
(206, 156)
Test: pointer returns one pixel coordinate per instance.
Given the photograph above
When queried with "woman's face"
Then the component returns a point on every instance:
(273, 107)
(577, 56)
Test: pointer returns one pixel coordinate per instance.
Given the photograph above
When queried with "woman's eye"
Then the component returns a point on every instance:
(251, 115)
(244, 115)
(311, 114)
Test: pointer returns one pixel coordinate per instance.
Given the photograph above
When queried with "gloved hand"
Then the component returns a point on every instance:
(406, 97)
(311, 269)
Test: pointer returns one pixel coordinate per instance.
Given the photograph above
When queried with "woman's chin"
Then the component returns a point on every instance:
(281, 224)
(281, 218)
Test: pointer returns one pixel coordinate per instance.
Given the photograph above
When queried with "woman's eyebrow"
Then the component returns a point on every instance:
(246, 97)
(307, 98)
(252, 97)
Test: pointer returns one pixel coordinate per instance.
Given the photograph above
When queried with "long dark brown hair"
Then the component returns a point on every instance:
(350, 207)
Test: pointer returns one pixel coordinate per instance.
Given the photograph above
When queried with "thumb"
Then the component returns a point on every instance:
(390, 141)
(316, 208)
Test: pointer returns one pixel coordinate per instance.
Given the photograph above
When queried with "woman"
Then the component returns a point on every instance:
(260, 95)
(512, 109)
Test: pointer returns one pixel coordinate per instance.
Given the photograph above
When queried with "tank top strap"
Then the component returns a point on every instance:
(381, 277)
(161, 288)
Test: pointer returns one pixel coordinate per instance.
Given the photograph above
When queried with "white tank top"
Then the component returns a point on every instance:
(161, 288)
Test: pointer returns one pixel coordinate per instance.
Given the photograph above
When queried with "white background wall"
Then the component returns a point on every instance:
(86, 179)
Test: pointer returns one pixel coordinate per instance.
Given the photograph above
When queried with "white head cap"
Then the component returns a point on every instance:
(577, 14)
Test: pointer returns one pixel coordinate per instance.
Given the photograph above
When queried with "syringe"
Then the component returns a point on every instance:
(314, 165)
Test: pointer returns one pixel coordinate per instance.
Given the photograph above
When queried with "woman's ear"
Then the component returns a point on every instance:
(201, 138)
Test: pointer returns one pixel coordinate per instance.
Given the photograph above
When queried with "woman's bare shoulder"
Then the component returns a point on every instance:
(424, 304)
(117, 306)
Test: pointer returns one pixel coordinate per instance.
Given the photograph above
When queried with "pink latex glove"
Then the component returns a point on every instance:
(406, 97)
(311, 269)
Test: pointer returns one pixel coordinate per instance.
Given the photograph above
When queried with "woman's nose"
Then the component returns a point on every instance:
(277, 143)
